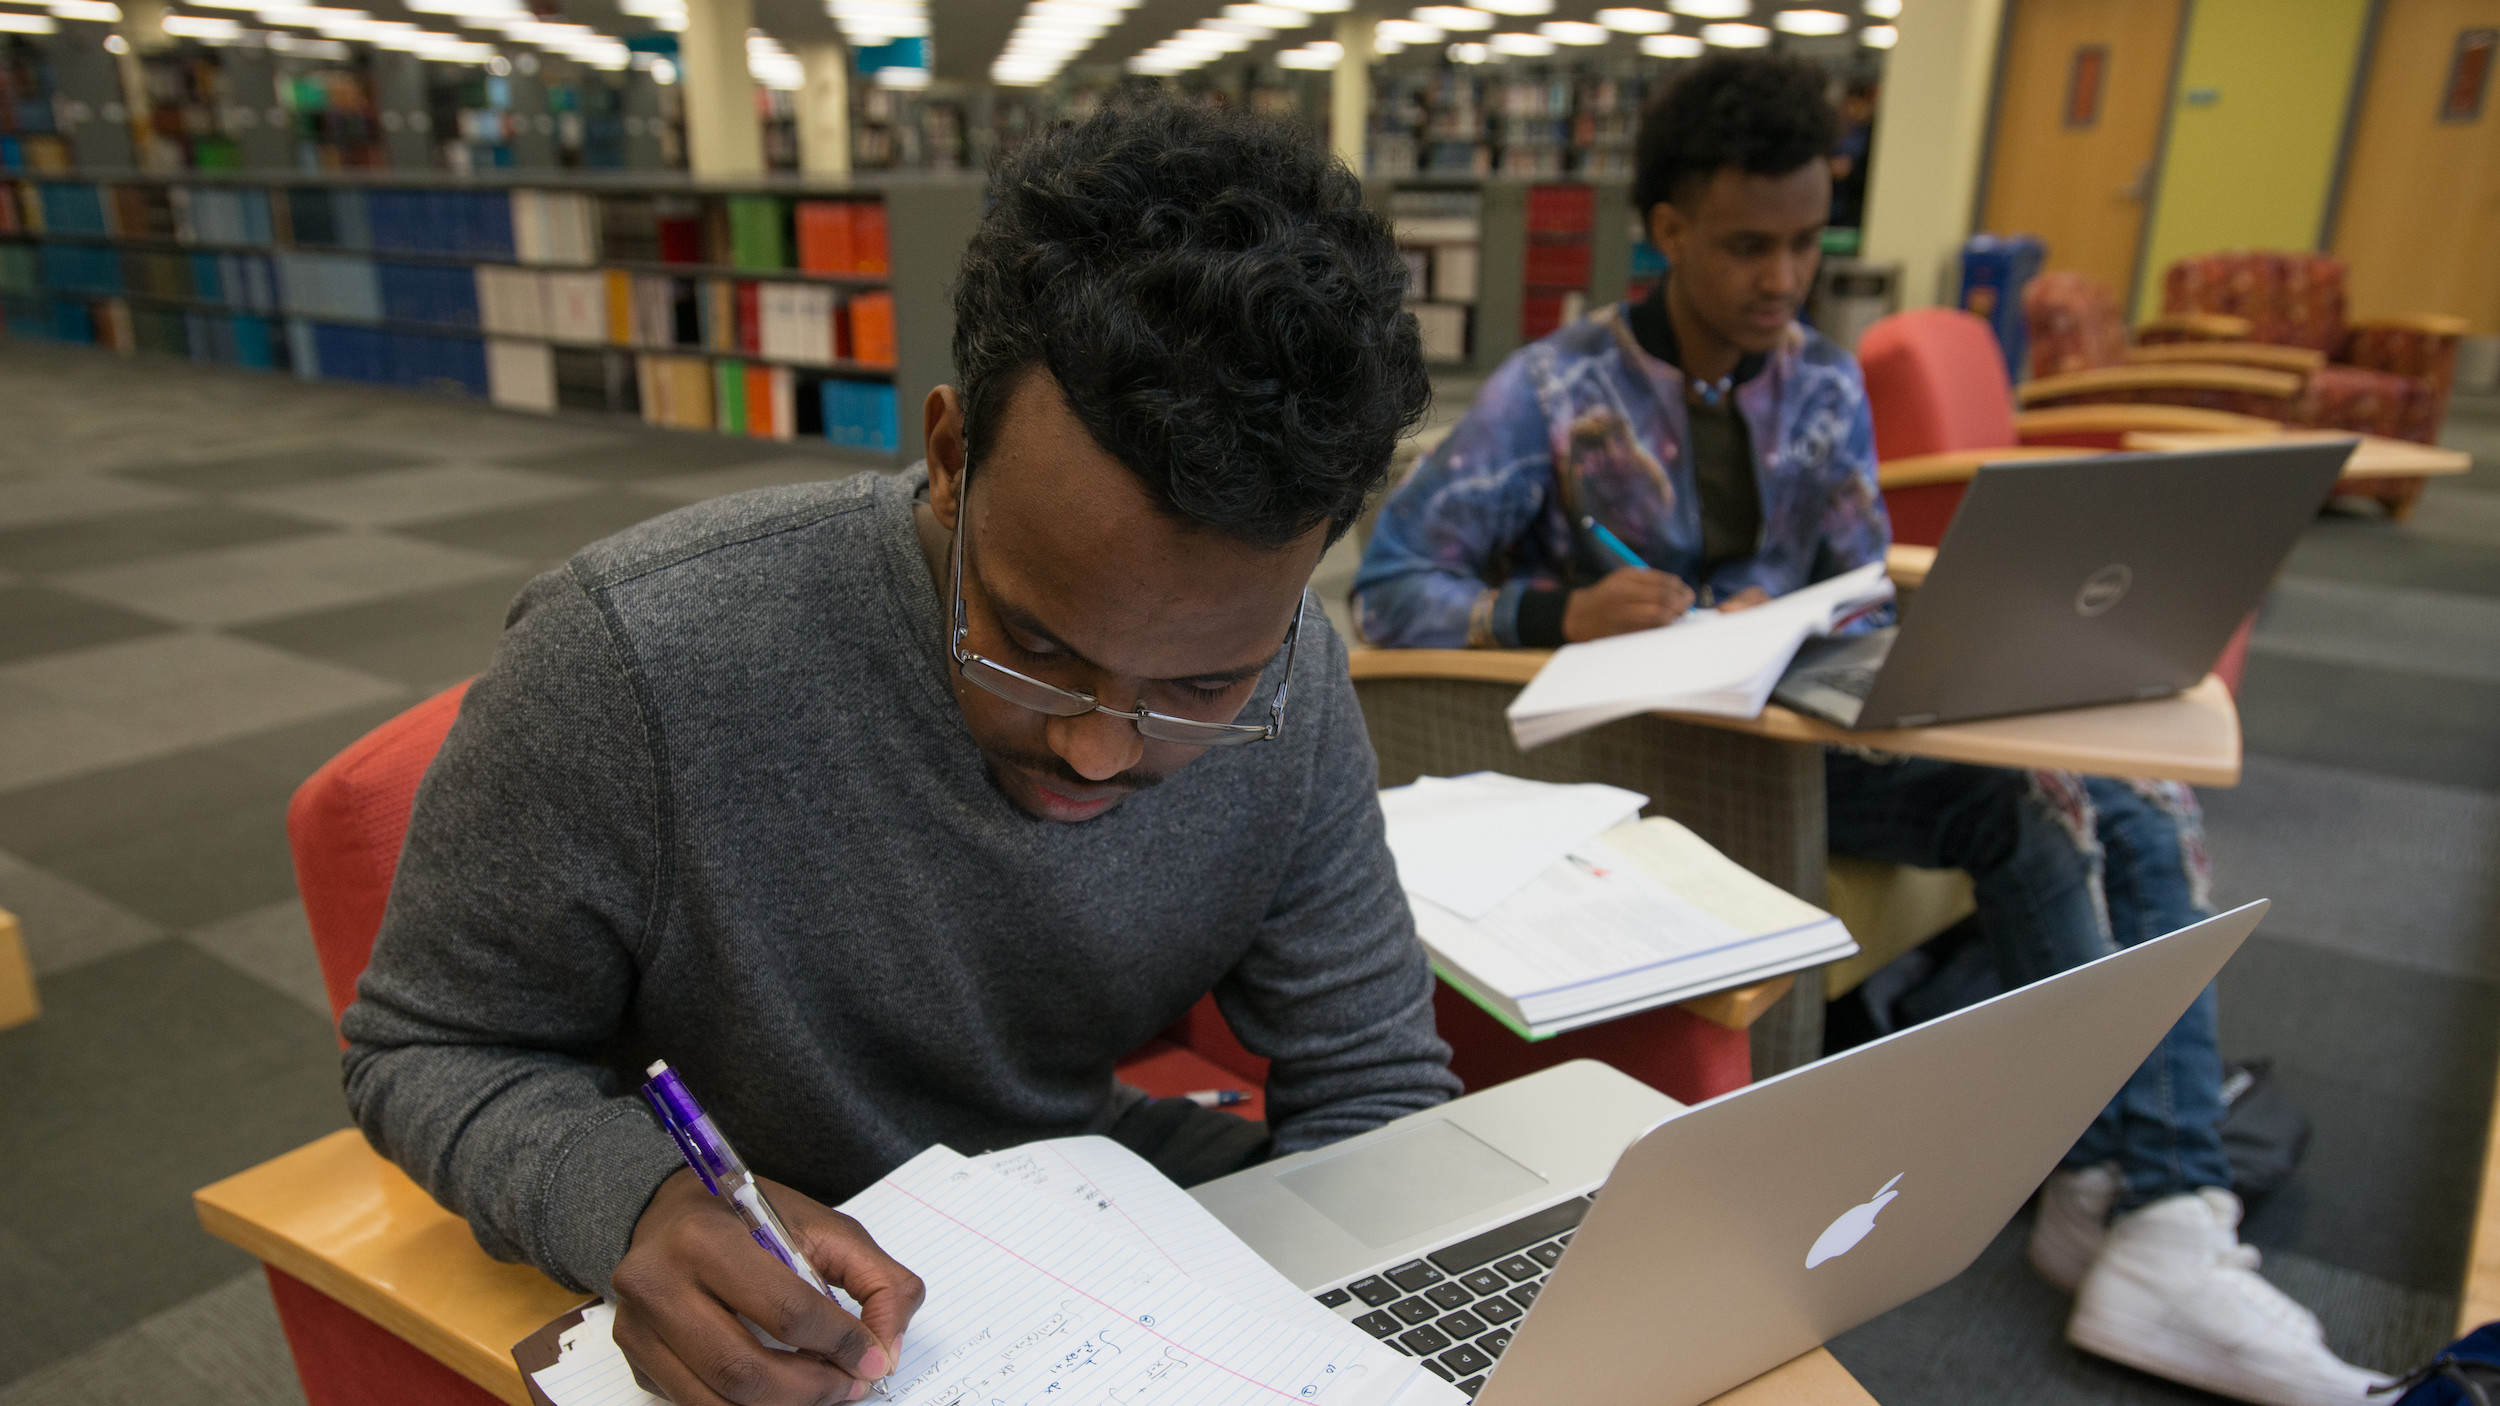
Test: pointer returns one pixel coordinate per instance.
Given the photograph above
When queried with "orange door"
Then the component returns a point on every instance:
(2420, 216)
(2078, 127)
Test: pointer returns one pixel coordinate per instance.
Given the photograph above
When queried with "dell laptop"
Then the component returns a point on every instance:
(1576, 1236)
(2066, 582)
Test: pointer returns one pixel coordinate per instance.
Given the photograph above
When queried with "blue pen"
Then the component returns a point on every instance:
(1613, 543)
(709, 1153)
(1216, 1098)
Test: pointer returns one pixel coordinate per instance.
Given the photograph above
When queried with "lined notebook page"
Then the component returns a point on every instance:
(1118, 1192)
(1028, 1304)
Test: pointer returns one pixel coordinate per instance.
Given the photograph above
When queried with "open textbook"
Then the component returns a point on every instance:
(1723, 663)
(1071, 1271)
(1627, 915)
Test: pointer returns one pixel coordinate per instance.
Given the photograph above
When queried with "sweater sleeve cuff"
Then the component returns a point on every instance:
(1538, 621)
(602, 1184)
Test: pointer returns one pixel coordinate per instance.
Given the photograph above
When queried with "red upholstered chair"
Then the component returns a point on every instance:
(2080, 356)
(2385, 376)
(346, 825)
(1935, 384)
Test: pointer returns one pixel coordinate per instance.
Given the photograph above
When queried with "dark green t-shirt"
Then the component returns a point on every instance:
(1721, 448)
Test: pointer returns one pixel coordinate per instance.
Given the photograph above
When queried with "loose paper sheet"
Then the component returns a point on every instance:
(1469, 842)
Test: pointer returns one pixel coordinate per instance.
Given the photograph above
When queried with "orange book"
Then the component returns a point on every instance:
(868, 237)
(824, 228)
(620, 308)
(759, 401)
(872, 329)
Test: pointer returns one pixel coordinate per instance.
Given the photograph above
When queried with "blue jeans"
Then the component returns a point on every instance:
(2066, 869)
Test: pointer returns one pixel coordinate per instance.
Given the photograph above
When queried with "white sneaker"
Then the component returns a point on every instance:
(2069, 1220)
(2176, 1294)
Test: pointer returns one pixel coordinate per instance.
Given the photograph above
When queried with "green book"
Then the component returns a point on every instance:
(756, 237)
(729, 381)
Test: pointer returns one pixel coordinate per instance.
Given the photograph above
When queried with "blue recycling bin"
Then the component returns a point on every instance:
(1995, 269)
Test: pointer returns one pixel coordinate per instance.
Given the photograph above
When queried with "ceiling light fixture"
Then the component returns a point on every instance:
(1574, 32)
(1712, 9)
(1811, 22)
(1670, 46)
(1735, 36)
(1525, 46)
(1453, 17)
(1636, 21)
(1407, 32)
(1881, 9)
(1517, 7)
(1879, 36)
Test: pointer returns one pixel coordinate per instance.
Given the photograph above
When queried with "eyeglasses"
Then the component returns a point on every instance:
(1028, 692)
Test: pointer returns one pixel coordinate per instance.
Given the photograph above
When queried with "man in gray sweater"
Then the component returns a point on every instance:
(895, 811)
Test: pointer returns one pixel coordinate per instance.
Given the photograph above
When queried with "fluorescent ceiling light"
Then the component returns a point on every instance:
(1574, 32)
(1247, 30)
(32, 24)
(902, 78)
(1879, 36)
(1881, 9)
(1670, 46)
(1636, 21)
(1526, 46)
(309, 48)
(1318, 7)
(1453, 17)
(1517, 7)
(1735, 36)
(1406, 32)
(1811, 22)
(1305, 59)
(99, 11)
(200, 27)
(1222, 41)
(1273, 16)
(1712, 9)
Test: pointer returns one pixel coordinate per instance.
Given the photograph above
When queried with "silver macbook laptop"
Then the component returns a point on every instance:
(1576, 1236)
(2065, 582)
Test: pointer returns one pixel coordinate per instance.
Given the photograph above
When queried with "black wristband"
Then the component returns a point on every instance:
(1540, 618)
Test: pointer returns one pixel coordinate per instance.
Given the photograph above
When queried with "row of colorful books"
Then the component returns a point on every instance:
(809, 323)
(763, 402)
(227, 338)
(758, 233)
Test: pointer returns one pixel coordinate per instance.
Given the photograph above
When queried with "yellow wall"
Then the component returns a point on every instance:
(1929, 131)
(2252, 168)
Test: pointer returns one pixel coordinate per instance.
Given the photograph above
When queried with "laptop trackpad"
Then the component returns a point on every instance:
(1409, 1182)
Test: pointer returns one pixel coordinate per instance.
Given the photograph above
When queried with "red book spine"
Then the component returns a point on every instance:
(750, 320)
(868, 254)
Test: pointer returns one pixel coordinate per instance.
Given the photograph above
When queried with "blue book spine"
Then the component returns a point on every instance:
(208, 283)
(253, 346)
(351, 213)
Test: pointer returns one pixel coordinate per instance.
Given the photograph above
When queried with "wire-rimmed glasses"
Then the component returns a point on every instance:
(1027, 692)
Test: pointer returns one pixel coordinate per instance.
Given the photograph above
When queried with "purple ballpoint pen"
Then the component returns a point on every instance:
(709, 1153)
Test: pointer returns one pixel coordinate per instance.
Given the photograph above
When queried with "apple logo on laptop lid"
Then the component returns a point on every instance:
(1843, 1235)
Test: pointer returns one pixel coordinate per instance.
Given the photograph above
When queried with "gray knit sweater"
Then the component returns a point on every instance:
(713, 802)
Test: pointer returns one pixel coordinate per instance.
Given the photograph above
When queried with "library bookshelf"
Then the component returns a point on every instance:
(771, 309)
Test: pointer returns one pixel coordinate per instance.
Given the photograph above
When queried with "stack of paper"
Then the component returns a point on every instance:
(1071, 1271)
(1721, 663)
(1599, 925)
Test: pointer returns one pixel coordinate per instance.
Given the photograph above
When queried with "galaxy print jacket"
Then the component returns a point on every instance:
(1585, 424)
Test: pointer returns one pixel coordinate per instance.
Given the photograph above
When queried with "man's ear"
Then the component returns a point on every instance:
(1666, 229)
(943, 418)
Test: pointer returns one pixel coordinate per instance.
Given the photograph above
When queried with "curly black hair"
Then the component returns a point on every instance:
(1763, 114)
(1222, 313)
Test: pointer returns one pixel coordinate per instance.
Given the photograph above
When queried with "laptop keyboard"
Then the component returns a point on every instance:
(1457, 1307)
(1856, 683)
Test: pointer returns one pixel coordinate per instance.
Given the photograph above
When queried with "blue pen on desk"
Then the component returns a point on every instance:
(709, 1153)
(1216, 1098)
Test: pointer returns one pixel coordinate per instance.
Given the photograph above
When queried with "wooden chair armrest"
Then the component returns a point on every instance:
(1958, 465)
(1739, 1007)
(1908, 564)
(18, 1003)
(1511, 666)
(2116, 419)
(2300, 361)
(2429, 324)
(2203, 326)
(336, 1215)
(2188, 376)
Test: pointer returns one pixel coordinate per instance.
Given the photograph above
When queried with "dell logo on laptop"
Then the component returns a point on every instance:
(2103, 589)
(1854, 1225)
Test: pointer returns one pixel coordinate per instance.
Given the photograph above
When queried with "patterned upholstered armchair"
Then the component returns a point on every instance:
(2387, 376)
(2080, 355)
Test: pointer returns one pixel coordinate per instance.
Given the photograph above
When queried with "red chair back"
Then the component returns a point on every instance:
(1935, 381)
(345, 826)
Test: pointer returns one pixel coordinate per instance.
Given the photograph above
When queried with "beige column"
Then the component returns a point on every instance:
(825, 110)
(723, 135)
(1350, 89)
(1930, 132)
